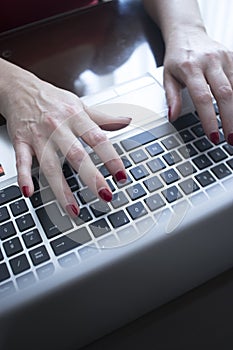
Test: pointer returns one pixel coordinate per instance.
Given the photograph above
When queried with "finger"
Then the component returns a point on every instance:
(173, 94)
(222, 91)
(107, 122)
(24, 155)
(200, 93)
(50, 165)
(76, 155)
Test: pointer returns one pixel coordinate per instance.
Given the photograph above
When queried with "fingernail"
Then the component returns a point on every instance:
(72, 210)
(25, 190)
(120, 176)
(214, 137)
(169, 113)
(230, 139)
(105, 194)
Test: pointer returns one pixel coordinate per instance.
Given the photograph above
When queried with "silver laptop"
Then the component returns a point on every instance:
(64, 282)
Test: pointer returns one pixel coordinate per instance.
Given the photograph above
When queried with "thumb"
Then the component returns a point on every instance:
(173, 94)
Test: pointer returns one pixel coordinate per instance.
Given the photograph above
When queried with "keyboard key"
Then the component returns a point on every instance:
(203, 144)
(70, 241)
(186, 169)
(137, 140)
(139, 172)
(4, 273)
(187, 151)
(68, 260)
(100, 208)
(19, 264)
(99, 227)
(7, 289)
(189, 186)
(202, 161)
(86, 195)
(198, 130)
(156, 165)
(154, 149)
(39, 255)
(119, 199)
(42, 197)
(136, 210)
(13, 246)
(45, 271)
(118, 219)
(217, 155)
(73, 184)
(4, 214)
(172, 194)
(7, 230)
(52, 221)
(172, 158)
(1, 255)
(154, 202)
(221, 171)
(19, 207)
(84, 216)
(25, 222)
(138, 156)
(205, 178)
(9, 194)
(32, 238)
(136, 191)
(153, 184)
(185, 121)
(67, 172)
(170, 142)
(26, 280)
(170, 176)
(186, 136)
(229, 149)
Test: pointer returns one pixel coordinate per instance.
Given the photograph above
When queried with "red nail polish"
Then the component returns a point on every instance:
(105, 194)
(230, 139)
(214, 137)
(25, 190)
(120, 176)
(72, 210)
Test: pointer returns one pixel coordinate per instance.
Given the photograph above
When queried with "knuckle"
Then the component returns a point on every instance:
(203, 98)
(97, 137)
(224, 92)
(75, 154)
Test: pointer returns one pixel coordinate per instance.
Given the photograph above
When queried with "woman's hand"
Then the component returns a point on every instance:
(42, 119)
(194, 60)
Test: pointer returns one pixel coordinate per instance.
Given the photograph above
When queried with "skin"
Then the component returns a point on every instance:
(194, 60)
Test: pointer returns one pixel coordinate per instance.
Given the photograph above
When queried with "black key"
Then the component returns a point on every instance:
(7, 230)
(221, 171)
(104, 171)
(154, 202)
(25, 222)
(139, 172)
(31, 238)
(9, 194)
(217, 155)
(67, 172)
(137, 140)
(84, 216)
(189, 186)
(1, 255)
(4, 214)
(230, 163)
(136, 210)
(19, 207)
(118, 219)
(170, 142)
(154, 149)
(229, 149)
(172, 194)
(52, 221)
(13, 246)
(186, 136)
(86, 195)
(138, 156)
(118, 148)
(198, 130)
(100, 208)
(153, 184)
(172, 158)
(127, 163)
(4, 273)
(119, 199)
(35, 183)
(39, 255)
(95, 158)
(156, 165)
(73, 184)
(185, 121)
(202, 161)
(44, 196)
(170, 176)
(162, 130)
(99, 227)
(187, 151)
(70, 241)
(19, 264)
(205, 178)
(136, 191)
(186, 169)
(203, 144)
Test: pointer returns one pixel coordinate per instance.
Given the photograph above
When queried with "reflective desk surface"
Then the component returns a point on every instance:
(92, 49)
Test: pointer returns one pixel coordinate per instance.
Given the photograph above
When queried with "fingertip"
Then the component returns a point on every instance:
(72, 210)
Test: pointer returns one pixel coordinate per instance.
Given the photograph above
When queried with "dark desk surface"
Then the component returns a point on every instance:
(85, 52)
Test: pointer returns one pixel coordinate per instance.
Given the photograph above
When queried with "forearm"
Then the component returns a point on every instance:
(173, 16)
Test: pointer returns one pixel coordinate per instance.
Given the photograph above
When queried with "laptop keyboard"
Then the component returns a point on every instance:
(166, 168)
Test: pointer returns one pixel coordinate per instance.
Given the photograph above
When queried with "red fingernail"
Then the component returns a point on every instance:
(25, 190)
(120, 176)
(214, 137)
(230, 139)
(105, 194)
(72, 210)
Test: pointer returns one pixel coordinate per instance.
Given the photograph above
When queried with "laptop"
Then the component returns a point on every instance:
(64, 283)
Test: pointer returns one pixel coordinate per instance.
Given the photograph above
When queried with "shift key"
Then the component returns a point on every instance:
(70, 241)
